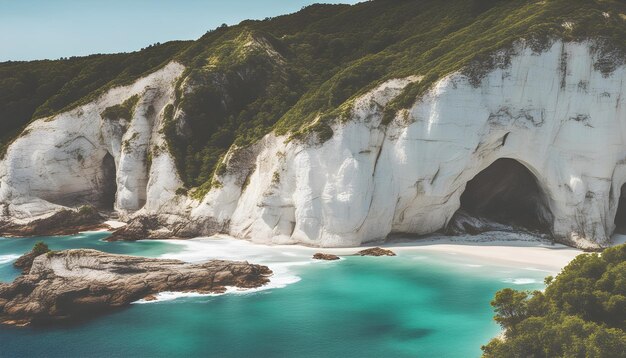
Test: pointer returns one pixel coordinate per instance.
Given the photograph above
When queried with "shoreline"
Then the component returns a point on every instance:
(516, 250)
(507, 249)
(499, 251)
(503, 249)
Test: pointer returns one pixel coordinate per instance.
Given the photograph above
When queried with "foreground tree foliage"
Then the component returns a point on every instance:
(582, 312)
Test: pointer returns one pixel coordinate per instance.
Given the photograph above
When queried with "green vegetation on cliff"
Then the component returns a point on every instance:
(36, 89)
(121, 111)
(582, 312)
(296, 73)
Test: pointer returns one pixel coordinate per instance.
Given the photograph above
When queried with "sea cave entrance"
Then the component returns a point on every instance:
(620, 215)
(109, 183)
(505, 193)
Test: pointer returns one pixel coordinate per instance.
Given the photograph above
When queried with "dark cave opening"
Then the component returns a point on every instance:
(506, 193)
(109, 183)
(620, 215)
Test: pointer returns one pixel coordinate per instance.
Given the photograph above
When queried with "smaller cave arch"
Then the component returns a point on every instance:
(108, 187)
(505, 194)
(620, 214)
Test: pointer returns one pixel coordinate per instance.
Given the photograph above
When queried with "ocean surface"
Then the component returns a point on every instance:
(424, 304)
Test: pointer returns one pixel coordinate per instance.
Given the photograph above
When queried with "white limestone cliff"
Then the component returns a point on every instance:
(557, 115)
(59, 160)
(553, 112)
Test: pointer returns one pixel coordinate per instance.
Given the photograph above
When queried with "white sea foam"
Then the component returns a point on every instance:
(4, 259)
(277, 281)
(521, 281)
(282, 261)
(169, 296)
(535, 269)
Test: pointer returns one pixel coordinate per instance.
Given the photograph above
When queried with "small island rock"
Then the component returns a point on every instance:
(376, 251)
(75, 284)
(327, 257)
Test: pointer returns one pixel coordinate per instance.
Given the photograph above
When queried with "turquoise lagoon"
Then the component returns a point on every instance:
(419, 303)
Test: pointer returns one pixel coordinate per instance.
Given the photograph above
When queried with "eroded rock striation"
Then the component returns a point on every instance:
(74, 284)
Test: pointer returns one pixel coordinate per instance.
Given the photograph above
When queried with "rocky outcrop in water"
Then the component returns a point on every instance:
(25, 262)
(326, 257)
(376, 251)
(75, 284)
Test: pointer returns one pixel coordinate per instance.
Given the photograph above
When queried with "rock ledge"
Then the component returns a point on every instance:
(75, 284)
(64, 222)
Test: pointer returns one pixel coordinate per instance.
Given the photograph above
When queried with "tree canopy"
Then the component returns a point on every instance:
(582, 312)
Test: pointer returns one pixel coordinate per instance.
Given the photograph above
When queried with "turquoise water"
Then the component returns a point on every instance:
(421, 305)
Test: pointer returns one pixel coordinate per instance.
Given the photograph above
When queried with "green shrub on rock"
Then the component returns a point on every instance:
(40, 248)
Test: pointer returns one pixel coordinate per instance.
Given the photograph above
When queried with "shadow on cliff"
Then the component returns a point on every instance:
(109, 183)
(620, 215)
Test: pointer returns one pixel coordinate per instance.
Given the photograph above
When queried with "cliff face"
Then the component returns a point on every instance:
(83, 156)
(554, 114)
(551, 112)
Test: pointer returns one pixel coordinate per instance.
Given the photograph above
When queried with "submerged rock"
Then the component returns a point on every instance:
(376, 251)
(74, 284)
(327, 257)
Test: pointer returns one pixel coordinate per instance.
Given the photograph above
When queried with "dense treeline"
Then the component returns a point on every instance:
(295, 73)
(582, 312)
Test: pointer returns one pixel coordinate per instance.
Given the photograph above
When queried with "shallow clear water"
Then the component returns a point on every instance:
(416, 304)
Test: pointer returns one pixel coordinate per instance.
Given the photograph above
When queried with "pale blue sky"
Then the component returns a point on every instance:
(49, 29)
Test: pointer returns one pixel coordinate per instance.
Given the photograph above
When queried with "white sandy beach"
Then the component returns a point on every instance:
(499, 249)
(114, 224)
(495, 248)
(508, 249)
